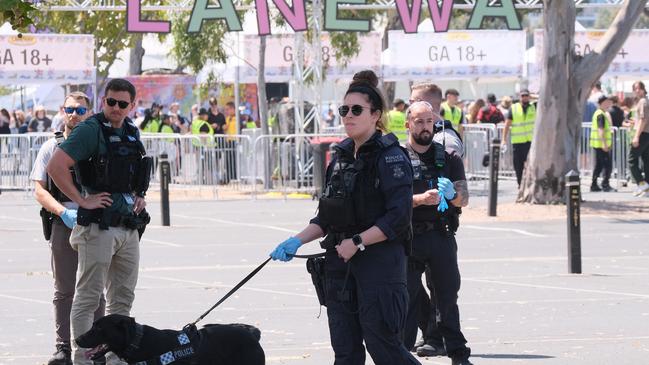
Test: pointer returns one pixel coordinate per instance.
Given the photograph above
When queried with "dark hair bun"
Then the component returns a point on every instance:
(366, 76)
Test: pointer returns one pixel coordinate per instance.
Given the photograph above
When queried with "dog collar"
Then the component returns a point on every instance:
(135, 344)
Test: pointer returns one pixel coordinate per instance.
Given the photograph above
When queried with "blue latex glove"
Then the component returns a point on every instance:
(69, 217)
(289, 246)
(443, 205)
(445, 186)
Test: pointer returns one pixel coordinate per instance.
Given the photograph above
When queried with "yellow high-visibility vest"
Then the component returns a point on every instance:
(522, 123)
(205, 139)
(595, 140)
(397, 124)
(452, 113)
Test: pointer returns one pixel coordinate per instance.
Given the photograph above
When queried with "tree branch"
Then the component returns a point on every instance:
(593, 66)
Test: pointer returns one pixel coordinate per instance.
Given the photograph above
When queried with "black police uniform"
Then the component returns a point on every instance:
(434, 248)
(367, 298)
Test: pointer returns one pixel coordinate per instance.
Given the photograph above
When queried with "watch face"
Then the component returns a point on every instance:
(357, 239)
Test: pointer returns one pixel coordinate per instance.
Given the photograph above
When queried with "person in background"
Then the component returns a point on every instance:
(505, 104)
(640, 142)
(215, 117)
(40, 122)
(490, 112)
(474, 109)
(601, 140)
(616, 113)
(397, 120)
(451, 111)
(151, 122)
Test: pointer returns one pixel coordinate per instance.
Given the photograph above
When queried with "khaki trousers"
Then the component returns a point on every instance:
(64, 269)
(107, 259)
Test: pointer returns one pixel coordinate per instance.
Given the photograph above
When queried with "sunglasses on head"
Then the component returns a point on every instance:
(356, 110)
(122, 104)
(80, 110)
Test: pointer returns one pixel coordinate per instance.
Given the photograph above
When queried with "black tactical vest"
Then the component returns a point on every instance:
(123, 168)
(352, 200)
(427, 168)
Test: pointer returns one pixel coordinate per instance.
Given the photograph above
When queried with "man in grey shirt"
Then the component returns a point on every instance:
(60, 216)
(640, 142)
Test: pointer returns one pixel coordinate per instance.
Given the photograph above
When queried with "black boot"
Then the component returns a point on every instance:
(62, 356)
(594, 187)
(607, 187)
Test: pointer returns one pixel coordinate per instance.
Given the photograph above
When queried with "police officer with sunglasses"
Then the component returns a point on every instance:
(59, 216)
(364, 212)
(111, 165)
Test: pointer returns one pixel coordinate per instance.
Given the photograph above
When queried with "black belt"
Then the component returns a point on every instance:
(112, 219)
(422, 227)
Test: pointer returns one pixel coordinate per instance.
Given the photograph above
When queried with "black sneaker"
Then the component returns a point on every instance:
(430, 350)
(417, 345)
(62, 356)
(461, 362)
(608, 188)
(595, 188)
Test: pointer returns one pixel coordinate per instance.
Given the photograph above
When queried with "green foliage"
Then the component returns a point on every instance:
(108, 28)
(20, 14)
(196, 49)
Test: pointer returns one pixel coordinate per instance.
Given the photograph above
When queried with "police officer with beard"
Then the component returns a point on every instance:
(365, 213)
(437, 175)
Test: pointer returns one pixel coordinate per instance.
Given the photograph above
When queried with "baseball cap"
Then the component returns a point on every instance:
(202, 111)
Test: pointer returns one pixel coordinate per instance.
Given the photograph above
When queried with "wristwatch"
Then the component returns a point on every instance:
(358, 241)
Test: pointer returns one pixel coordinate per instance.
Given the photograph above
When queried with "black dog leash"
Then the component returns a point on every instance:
(245, 280)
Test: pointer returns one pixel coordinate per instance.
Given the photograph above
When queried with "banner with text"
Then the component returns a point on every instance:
(454, 55)
(631, 60)
(47, 58)
(281, 51)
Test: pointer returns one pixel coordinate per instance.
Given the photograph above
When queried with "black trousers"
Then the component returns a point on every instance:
(637, 154)
(436, 251)
(367, 302)
(520, 152)
(603, 166)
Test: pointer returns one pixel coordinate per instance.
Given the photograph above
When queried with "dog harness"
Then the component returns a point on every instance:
(183, 354)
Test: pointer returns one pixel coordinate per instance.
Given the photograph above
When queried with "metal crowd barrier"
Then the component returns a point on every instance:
(257, 163)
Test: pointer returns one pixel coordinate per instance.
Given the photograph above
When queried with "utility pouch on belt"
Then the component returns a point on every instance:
(316, 267)
(46, 220)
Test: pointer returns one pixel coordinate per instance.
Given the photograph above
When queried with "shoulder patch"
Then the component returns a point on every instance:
(397, 172)
(394, 159)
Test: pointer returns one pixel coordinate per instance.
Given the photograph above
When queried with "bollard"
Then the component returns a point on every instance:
(494, 162)
(165, 179)
(573, 200)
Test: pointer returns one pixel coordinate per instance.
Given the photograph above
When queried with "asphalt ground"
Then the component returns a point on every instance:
(518, 304)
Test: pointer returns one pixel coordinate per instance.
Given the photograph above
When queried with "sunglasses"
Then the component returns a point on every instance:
(356, 110)
(122, 104)
(80, 110)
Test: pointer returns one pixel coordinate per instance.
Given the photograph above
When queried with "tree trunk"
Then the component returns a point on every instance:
(263, 106)
(136, 54)
(566, 80)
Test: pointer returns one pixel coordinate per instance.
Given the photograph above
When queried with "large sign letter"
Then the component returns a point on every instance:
(295, 16)
(134, 23)
(409, 16)
(202, 12)
(332, 22)
(506, 10)
(442, 17)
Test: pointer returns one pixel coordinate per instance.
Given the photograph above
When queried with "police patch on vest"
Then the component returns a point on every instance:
(394, 159)
(397, 172)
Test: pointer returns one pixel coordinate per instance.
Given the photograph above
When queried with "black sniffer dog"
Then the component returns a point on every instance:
(214, 344)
